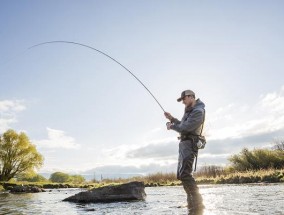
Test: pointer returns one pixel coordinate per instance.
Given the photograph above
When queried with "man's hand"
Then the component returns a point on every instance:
(169, 125)
(168, 116)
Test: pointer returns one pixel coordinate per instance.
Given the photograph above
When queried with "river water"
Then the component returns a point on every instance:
(265, 199)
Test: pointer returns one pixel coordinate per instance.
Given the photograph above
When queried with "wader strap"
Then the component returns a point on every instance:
(202, 123)
(195, 161)
(199, 135)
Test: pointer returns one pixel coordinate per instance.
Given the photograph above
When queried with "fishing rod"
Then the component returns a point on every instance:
(101, 52)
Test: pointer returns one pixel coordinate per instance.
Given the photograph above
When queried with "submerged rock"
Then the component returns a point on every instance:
(114, 193)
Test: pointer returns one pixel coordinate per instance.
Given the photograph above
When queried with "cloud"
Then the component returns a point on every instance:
(156, 149)
(57, 139)
(155, 130)
(132, 169)
(167, 149)
(231, 128)
(216, 151)
(116, 171)
(8, 112)
(212, 159)
(234, 145)
(12, 106)
(241, 120)
(274, 102)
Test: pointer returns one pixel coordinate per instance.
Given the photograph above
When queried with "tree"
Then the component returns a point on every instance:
(17, 155)
(31, 177)
(210, 171)
(59, 177)
(77, 179)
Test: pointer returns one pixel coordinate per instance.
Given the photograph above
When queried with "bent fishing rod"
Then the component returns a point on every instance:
(103, 53)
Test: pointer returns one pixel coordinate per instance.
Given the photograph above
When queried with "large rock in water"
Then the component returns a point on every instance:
(114, 193)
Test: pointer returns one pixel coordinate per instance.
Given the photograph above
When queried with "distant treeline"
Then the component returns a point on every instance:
(56, 177)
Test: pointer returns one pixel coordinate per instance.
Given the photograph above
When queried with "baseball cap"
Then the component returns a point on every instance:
(186, 93)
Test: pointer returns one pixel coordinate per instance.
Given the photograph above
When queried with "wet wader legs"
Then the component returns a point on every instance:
(187, 153)
(194, 198)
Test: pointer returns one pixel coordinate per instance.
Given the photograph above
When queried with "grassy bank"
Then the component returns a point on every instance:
(168, 179)
(266, 176)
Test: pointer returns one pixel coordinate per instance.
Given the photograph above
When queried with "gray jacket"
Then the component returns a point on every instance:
(192, 120)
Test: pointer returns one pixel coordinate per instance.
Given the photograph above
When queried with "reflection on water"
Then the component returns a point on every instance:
(218, 200)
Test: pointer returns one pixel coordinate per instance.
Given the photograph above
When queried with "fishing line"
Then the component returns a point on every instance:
(90, 47)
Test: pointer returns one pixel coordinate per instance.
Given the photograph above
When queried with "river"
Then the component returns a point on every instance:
(267, 199)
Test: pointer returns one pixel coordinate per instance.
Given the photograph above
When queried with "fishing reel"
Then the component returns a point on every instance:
(168, 124)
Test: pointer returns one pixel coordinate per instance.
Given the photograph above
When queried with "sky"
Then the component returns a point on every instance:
(88, 115)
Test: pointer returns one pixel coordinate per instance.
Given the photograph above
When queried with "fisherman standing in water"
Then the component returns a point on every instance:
(189, 128)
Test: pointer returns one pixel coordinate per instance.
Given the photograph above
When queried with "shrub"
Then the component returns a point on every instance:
(32, 178)
(210, 171)
(257, 159)
(59, 177)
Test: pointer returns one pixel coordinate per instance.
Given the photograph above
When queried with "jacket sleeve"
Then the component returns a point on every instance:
(193, 121)
(175, 121)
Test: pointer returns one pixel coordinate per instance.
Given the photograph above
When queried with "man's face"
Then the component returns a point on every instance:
(188, 101)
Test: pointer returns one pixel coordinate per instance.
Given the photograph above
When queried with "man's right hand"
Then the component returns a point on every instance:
(168, 116)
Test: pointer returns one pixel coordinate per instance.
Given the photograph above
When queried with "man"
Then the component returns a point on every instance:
(189, 128)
